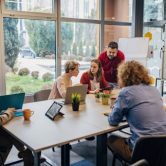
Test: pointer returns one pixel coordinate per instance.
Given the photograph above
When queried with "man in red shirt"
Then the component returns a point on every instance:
(110, 60)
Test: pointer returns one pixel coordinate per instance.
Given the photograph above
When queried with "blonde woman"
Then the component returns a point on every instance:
(142, 106)
(64, 81)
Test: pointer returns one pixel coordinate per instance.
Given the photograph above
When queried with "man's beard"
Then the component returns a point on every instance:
(111, 57)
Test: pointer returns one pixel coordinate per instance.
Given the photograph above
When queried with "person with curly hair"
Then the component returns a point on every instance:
(142, 106)
(94, 77)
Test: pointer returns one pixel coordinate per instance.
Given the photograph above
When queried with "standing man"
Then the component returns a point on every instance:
(110, 60)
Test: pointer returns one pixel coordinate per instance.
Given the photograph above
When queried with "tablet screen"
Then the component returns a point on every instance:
(53, 110)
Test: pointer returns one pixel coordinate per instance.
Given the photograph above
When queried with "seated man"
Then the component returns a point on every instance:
(7, 141)
(142, 106)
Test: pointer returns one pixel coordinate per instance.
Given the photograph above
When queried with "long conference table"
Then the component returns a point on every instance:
(41, 133)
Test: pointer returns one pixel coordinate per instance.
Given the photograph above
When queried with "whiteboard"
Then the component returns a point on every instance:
(134, 48)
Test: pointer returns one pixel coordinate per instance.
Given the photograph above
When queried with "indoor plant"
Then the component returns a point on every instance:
(105, 98)
(75, 101)
(97, 97)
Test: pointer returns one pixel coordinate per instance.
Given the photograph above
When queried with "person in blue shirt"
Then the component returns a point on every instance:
(140, 103)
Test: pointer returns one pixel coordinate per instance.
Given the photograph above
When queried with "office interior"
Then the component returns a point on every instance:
(37, 37)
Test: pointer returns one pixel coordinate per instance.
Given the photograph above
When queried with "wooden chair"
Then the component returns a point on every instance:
(151, 148)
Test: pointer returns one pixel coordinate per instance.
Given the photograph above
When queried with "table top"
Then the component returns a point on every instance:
(41, 133)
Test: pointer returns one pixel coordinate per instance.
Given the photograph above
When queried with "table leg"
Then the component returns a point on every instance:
(101, 157)
(37, 158)
(65, 155)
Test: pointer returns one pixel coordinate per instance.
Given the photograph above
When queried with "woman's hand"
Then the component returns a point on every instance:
(94, 91)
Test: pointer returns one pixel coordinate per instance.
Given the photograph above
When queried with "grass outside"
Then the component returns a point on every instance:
(27, 83)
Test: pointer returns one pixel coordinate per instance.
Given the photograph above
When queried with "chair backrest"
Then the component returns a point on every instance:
(151, 148)
(142, 162)
(42, 95)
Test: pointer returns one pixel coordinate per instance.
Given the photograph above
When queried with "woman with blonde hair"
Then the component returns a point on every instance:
(142, 106)
(64, 81)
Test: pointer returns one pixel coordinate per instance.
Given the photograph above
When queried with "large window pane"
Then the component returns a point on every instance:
(118, 10)
(114, 32)
(80, 41)
(29, 54)
(153, 10)
(44, 6)
(88, 9)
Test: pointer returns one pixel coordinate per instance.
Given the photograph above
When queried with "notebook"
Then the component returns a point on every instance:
(81, 89)
(12, 101)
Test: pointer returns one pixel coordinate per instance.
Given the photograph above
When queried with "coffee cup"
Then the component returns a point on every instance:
(27, 113)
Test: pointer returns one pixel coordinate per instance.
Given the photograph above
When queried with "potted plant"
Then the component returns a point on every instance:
(97, 97)
(75, 101)
(105, 98)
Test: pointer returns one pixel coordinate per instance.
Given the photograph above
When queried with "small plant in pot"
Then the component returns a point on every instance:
(75, 101)
(97, 97)
(105, 98)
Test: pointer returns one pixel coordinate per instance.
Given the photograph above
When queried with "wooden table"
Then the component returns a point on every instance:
(41, 133)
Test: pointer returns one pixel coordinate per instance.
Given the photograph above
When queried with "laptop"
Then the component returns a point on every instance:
(11, 101)
(81, 89)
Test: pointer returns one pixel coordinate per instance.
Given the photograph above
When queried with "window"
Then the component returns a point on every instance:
(41, 6)
(80, 41)
(153, 10)
(31, 27)
(87, 9)
(29, 54)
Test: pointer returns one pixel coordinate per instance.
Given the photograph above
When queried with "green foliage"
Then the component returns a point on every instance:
(75, 97)
(104, 95)
(47, 77)
(67, 32)
(16, 89)
(29, 84)
(24, 71)
(11, 37)
(35, 74)
(41, 36)
(97, 95)
(15, 69)
(11, 41)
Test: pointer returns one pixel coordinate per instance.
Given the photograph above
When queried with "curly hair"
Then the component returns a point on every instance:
(70, 65)
(132, 73)
(99, 72)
